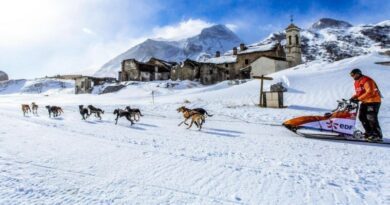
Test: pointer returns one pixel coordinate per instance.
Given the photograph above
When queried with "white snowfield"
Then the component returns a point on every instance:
(242, 156)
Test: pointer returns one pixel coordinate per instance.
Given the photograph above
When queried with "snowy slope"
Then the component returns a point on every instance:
(241, 156)
(44, 86)
(210, 40)
(332, 40)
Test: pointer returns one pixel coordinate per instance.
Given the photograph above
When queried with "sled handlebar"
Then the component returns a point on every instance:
(345, 105)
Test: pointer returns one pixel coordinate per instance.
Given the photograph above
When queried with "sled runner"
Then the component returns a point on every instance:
(338, 125)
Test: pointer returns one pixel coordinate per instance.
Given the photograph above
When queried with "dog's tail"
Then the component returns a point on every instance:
(208, 114)
(140, 113)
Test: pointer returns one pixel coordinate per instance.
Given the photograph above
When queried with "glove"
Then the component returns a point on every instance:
(353, 100)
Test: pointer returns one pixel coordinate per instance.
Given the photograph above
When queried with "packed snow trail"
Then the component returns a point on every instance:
(67, 160)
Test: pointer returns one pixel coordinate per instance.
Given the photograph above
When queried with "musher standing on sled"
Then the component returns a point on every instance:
(368, 94)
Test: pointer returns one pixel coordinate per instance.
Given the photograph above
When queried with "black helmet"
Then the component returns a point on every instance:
(356, 71)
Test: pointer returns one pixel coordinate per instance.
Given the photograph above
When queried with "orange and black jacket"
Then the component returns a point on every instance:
(366, 90)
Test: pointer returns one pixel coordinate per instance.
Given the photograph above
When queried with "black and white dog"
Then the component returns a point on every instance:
(97, 111)
(84, 112)
(135, 113)
(122, 113)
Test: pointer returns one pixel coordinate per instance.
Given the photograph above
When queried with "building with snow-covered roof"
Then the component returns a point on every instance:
(3, 76)
(242, 57)
(154, 69)
(262, 58)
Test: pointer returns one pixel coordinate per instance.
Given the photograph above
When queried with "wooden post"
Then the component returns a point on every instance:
(262, 77)
(153, 96)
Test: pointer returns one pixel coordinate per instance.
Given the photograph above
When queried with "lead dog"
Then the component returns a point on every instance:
(25, 109)
(122, 113)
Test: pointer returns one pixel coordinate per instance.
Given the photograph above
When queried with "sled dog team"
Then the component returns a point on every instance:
(197, 115)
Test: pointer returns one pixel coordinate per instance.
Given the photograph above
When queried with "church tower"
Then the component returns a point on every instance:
(293, 45)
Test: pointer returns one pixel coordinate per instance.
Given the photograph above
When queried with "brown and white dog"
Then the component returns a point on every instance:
(25, 109)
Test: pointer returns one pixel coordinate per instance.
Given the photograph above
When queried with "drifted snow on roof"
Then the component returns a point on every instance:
(230, 58)
(258, 48)
(222, 59)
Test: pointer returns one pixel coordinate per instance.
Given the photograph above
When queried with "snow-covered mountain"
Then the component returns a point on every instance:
(325, 40)
(210, 40)
(332, 40)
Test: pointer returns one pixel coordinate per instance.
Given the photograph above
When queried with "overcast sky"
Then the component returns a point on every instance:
(47, 37)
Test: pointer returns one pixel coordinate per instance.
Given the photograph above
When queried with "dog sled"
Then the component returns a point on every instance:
(340, 124)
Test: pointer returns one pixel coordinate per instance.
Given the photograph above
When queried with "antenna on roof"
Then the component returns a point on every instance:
(291, 18)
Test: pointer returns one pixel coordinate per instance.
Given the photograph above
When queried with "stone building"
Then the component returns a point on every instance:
(248, 61)
(265, 65)
(205, 73)
(235, 61)
(154, 69)
(85, 84)
(187, 70)
(293, 45)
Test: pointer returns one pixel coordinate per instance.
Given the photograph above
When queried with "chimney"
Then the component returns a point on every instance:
(242, 47)
(217, 54)
(235, 51)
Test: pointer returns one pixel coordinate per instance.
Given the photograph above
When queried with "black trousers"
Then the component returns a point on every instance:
(368, 115)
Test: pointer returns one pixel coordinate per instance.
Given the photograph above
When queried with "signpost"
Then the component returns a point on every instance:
(262, 77)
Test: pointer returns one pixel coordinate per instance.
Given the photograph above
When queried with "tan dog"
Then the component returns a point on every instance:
(198, 119)
(186, 114)
(25, 109)
(34, 108)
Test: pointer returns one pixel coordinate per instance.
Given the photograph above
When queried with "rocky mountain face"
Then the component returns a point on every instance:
(332, 40)
(204, 45)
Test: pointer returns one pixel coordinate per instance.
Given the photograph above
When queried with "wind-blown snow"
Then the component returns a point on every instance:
(242, 156)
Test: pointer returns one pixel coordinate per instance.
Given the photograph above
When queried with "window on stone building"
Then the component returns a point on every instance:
(289, 40)
(246, 61)
(226, 65)
(296, 39)
(211, 72)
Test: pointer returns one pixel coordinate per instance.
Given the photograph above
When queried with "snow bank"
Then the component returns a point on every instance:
(37, 86)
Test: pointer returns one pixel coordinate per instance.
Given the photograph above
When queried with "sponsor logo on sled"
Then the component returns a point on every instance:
(346, 127)
(330, 124)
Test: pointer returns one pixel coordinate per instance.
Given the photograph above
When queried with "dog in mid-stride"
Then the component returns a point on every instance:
(198, 119)
(135, 113)
(122, 113)
(187, 113)
(96, 111)
(26, 109)
(84, 112)
(34, 108)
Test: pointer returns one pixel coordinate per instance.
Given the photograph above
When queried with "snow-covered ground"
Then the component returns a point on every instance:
(242, 156)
